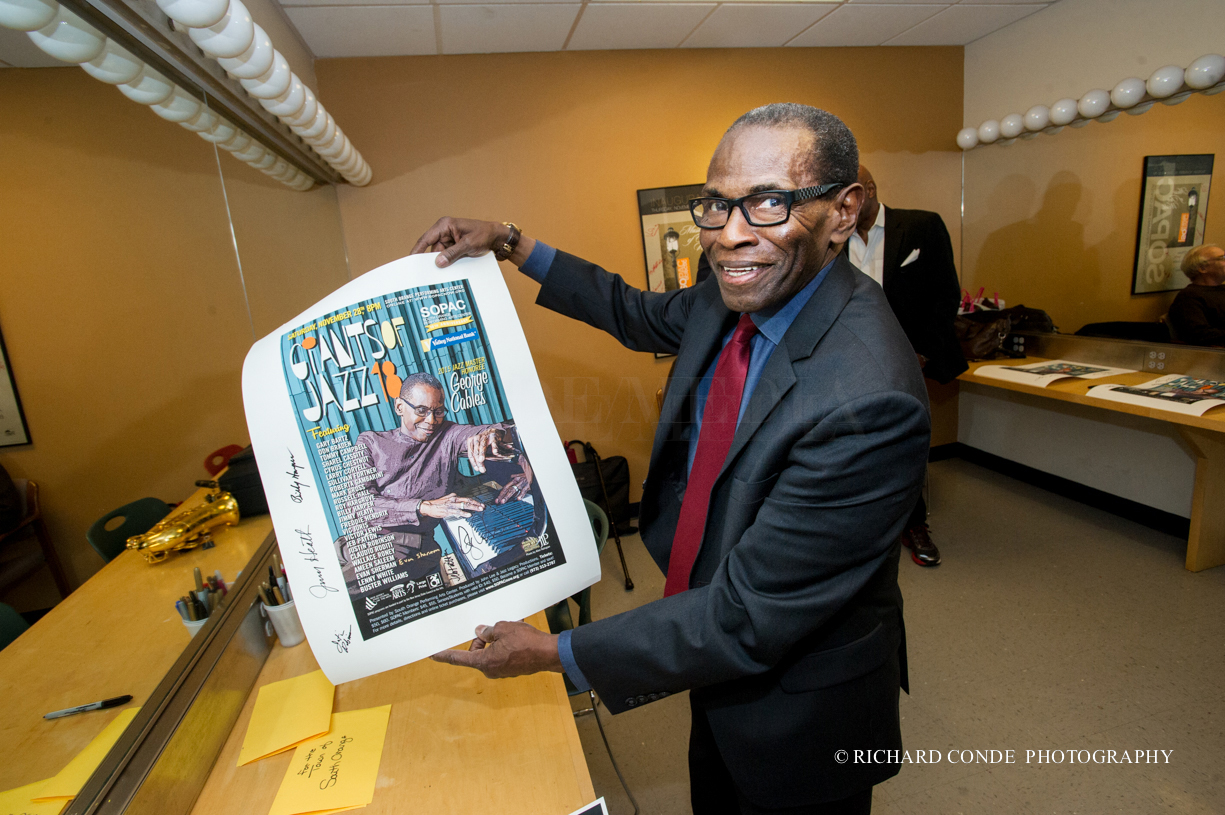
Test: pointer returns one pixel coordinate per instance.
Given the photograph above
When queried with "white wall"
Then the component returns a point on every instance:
(1075, 46)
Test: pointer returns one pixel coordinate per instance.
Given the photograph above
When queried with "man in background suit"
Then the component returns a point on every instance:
(909, 254)
(790, 448)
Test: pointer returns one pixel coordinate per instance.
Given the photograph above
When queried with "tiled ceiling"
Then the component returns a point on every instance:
(372, 28)
(367, 28)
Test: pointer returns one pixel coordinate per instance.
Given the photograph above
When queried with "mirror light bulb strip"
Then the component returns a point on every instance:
(1169, 85)
(242, 48)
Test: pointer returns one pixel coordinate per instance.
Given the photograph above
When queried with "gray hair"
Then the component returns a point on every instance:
(420, 378)
(1194, 261)
(835, 158)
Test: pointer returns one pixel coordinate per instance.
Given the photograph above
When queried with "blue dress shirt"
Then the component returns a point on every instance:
(771, 324)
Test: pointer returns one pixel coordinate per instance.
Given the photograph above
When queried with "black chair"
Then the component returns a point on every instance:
(21, 561)
(12, 625)
(135, 518)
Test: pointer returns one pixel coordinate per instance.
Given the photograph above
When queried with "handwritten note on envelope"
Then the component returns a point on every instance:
(19, 801)
(68, 781)
(286, 714)
(336, 771)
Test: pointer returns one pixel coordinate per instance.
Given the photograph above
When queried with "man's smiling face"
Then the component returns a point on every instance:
(759, 267)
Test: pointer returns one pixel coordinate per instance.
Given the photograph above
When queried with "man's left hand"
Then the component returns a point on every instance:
(507, 649)
(485, 445)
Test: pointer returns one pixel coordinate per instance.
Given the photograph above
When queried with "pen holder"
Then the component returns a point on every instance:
(285, 621)
(194, 626)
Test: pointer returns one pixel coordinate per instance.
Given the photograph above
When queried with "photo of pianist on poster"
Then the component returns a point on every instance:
(430, 498)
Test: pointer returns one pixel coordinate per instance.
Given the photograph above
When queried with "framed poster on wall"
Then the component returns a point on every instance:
(1173, 214)
(13, 429)
(669, 238)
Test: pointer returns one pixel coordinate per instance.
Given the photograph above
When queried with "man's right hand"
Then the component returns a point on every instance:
(450, 506)
(457, 238)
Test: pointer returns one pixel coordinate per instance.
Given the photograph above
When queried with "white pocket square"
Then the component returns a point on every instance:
(911, 258)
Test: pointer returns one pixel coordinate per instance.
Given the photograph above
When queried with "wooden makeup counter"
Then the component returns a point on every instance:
(456, 742)
(1203, 435)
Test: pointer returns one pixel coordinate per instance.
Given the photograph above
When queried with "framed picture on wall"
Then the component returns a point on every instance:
(1173, 214)
(669, 238)
(13, 429)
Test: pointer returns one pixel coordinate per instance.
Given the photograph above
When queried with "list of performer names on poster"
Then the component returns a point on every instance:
(346, 467)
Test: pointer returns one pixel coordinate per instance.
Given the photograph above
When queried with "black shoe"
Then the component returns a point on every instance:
(919, 542)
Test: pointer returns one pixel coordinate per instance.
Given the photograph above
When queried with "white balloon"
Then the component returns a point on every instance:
(229, 36)
(221, 131)
(307, 115)
(194, 13)
(1037, 117)
(1063, 112)
(273, 82)
(1205, 72)
(1128, 93)
(1012, 125)
(179, 107)
(69, 38)
(988, 131)
(1093, 103)
(201, 121)
(345, 154)
(289, 104)
(302, 183)
(1165, 81)
(27, 15)
(114, 66)
(255, 60)
(148, 88)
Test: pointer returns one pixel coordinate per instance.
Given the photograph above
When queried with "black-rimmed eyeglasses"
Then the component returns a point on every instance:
(422, 411)
(769, 208)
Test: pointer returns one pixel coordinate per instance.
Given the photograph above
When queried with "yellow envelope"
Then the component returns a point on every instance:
(68, 781)
(337, 771)
(286, 714)
(19, 801)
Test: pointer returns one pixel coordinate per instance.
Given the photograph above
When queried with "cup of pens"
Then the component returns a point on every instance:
(278, 606)
(197, 605)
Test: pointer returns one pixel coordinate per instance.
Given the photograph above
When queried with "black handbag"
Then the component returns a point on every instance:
(241, 479)
(606, 483)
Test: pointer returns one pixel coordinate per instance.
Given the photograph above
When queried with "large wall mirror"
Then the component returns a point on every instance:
(139, 265)
(1050, 221)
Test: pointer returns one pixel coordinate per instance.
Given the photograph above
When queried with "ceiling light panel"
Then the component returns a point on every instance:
(863, 24)
(612, 26)
(959, 25)
(755, 25)
(366, 31)
(486, 29)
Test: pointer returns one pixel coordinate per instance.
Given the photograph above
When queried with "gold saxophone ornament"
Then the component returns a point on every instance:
(187, 529)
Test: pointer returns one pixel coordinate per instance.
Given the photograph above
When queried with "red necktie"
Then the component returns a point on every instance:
(719, 418)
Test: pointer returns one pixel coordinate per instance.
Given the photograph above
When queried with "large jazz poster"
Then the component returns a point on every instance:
(416, 481)
(1173, 216)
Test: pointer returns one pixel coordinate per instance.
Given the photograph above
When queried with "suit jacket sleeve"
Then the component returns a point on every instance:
(639, 320)
(826, 524)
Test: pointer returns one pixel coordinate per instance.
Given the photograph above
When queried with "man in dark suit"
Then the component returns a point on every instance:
(909, 254)
(790, 448)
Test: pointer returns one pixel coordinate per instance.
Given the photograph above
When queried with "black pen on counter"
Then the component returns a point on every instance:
(103, 705)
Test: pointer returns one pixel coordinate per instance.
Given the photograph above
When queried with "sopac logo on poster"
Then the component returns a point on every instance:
(1161, 225)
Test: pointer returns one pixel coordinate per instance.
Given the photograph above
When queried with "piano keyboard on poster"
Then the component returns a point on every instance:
(485, 535)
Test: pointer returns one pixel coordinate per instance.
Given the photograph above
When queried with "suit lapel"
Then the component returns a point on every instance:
(801, 339)
(894, 232)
